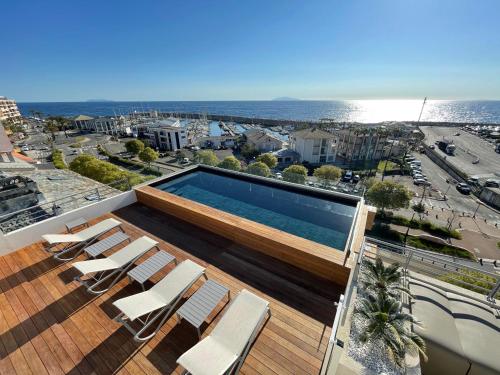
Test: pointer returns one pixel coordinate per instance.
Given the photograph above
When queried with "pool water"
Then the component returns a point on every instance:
(321, 220)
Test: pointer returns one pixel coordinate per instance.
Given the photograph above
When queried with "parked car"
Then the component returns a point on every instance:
(464, 188)
(473, 181)
(421, 181)
(416, 162)
(356, 178)
(492, 183)
(347, 177)
(432, 147)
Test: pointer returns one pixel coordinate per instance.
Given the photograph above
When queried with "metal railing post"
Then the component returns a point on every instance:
(494, 291)
(408, 260)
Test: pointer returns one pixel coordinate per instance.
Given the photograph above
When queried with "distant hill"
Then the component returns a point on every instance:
(98, 101)
(285, 99)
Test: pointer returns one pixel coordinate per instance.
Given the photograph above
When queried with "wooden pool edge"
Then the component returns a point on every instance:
(321, 260)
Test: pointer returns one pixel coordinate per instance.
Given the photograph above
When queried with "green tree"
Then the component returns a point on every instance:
(377, 278)
(249, 151)
(387, 324)
(268, 159)
(295, 173)
(230, 162)
(259, 169)
(206, 157)
(62, 123)
(388, 194)
(148, 155)
(180, 155)
(328, 172)
(134, 146)
(52, 127)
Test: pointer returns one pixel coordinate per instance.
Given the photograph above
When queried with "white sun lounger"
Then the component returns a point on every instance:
(79, 239)
(117, 264)
(229, 343)
(161, 298)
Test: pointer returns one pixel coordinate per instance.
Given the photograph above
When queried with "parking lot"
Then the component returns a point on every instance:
(469, 148)
(441, 185)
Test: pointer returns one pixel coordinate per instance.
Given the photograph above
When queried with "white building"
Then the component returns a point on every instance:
(166, 135)
(263, 141)
(105, 125)
(314, 145)
(9, 110)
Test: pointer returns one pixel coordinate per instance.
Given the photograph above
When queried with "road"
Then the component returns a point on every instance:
(469, 148)
(440, 187)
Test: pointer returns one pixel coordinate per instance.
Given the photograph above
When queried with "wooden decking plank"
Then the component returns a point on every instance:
(33, 305)
(40, 295)
(63, 316)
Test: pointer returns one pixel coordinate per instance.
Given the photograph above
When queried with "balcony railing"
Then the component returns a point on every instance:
(34, 214)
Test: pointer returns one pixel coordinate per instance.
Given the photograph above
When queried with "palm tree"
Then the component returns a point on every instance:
(387, 324)
(378, 278)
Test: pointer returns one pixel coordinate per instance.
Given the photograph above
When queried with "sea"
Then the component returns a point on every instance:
(363, 111)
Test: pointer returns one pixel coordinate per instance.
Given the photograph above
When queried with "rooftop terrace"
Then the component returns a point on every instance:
(50, 324)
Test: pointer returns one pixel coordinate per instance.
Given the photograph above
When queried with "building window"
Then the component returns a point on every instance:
(330, 158)
(322, 159)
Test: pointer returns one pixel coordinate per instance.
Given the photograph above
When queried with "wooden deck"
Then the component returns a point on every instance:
(49, 324)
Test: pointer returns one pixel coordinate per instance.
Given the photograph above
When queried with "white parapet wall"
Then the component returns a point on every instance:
(20, 238)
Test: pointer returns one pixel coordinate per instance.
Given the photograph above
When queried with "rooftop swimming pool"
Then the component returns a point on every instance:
(322, 218)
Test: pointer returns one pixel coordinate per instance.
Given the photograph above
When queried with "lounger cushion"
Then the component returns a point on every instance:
(208, 357)
(96, 265)
(84, 235)
(119, 259)
(216, 353)
(163, 293)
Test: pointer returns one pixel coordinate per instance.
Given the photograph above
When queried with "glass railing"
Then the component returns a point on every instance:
(19, 219)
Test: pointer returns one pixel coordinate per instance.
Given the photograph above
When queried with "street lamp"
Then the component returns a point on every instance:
(408, 229)
(477, 208)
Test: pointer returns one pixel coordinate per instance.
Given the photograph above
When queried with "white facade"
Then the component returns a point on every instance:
(105, 125)
(314, 146)
(169, 138)
(9, 110)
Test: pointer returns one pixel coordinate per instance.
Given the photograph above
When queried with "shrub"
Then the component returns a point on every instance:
(439, 248)
(328, 172)
(104, 172)
(76, 145)
(418, 208)
(471, 280)
(207, 157)
(230, 162)
(259, 169)
(268, 159)
(295, 173)
(57, 159)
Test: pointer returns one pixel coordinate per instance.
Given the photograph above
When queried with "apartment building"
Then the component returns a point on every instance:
(9, 110)
(315, 146)
(166, 135)
(105, 125)
(361, 147)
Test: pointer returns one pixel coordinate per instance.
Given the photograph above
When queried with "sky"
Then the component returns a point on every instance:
(249, 49)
